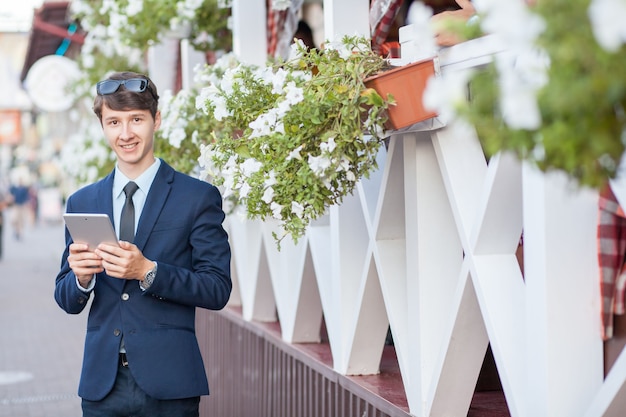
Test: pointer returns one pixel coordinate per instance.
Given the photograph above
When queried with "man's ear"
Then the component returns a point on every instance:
(157, 120)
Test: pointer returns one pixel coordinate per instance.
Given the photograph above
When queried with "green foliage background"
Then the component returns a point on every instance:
(583, 129)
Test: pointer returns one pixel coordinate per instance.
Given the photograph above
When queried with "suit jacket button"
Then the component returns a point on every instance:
(117, 332)
(125, 296)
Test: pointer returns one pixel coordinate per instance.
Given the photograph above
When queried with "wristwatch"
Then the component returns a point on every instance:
(148, 279)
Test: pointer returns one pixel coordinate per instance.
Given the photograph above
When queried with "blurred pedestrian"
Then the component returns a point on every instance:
(5, 201)
(33, 199)
(20, 193)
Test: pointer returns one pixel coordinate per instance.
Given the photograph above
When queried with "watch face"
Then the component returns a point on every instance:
(149, 278)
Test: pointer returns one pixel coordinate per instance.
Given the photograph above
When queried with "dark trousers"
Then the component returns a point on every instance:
(128, 400)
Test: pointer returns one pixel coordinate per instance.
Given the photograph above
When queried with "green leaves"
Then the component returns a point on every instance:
(582, 106)
(304, 125)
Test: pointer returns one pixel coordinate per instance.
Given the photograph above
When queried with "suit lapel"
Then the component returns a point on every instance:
(104, 198)
(156, 199)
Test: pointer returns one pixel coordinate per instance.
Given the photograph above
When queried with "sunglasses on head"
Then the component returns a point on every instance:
(136, 85)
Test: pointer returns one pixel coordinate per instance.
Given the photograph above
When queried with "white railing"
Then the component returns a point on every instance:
(428, 246)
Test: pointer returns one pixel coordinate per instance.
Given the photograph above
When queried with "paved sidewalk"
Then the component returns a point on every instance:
(40, 345)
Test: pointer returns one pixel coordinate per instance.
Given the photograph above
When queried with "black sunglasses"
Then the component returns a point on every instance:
(136, 85)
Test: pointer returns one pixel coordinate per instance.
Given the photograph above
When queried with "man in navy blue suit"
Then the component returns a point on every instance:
(141, 354)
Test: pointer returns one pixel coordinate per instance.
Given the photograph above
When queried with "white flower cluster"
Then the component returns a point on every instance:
(174, 118)
(522, 69)
(85, 145)
(607, 21)
(106, 39)
(290, 139)
(239, 174)
(213, 99)
(109, 38)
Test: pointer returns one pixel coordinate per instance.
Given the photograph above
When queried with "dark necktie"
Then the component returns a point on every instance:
(127, 219)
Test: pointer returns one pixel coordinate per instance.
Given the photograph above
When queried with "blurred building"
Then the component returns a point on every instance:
(37, 41)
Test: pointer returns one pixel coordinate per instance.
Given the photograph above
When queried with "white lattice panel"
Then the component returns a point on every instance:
(428, 247)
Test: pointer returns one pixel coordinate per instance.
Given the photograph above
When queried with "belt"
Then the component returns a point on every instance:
(123, 361)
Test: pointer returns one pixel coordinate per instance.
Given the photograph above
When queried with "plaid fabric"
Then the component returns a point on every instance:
(271, 27)
(611, 251)
(390, 50)
(380, 32)
(275, 25)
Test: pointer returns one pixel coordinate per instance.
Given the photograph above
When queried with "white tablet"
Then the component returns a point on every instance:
(90, 228)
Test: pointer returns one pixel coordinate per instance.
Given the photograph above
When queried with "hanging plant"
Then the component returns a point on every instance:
(292, 138)
(142, 23)
(557, 96)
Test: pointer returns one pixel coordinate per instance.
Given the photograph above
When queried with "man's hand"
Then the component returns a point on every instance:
(124, 262)
(84, 263)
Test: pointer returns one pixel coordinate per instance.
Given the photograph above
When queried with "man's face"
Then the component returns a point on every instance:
(130, 134)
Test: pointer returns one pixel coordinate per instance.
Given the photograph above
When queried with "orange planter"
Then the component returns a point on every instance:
(406, 84)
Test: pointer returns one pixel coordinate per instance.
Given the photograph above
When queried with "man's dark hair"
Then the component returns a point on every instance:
(123, 99)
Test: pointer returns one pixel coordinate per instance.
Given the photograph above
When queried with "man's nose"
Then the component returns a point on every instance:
(126, 131)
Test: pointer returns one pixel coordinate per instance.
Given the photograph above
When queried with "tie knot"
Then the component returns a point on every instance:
(130, 189)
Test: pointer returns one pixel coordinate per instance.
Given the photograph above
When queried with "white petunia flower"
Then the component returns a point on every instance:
(328, 146)
(297, 209)
(295, 154)
(318, 164)
(283, 108)
(206, 94)
(519, 108)
(268, 195)
(295, 49)
(271, 180)
(134, 7)
(80, 7)
(276, 210)
(446, 93)
(422, 40)
(231, 164)
(278, 81)
(177, 136)
(293, 94)
(108, 6)
(244, 190)
(229, 183)
(607, 21)
(228, 79)
(520, 77)
(344, 165)
(213, 96)
(512, 20)
(263, 125)
(250, 166)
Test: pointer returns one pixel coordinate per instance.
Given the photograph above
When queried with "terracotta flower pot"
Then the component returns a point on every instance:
(406, 84)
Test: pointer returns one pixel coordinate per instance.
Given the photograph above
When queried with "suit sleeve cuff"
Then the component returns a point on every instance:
(92, 284)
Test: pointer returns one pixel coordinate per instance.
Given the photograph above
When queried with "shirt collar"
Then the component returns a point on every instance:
(144, 181)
